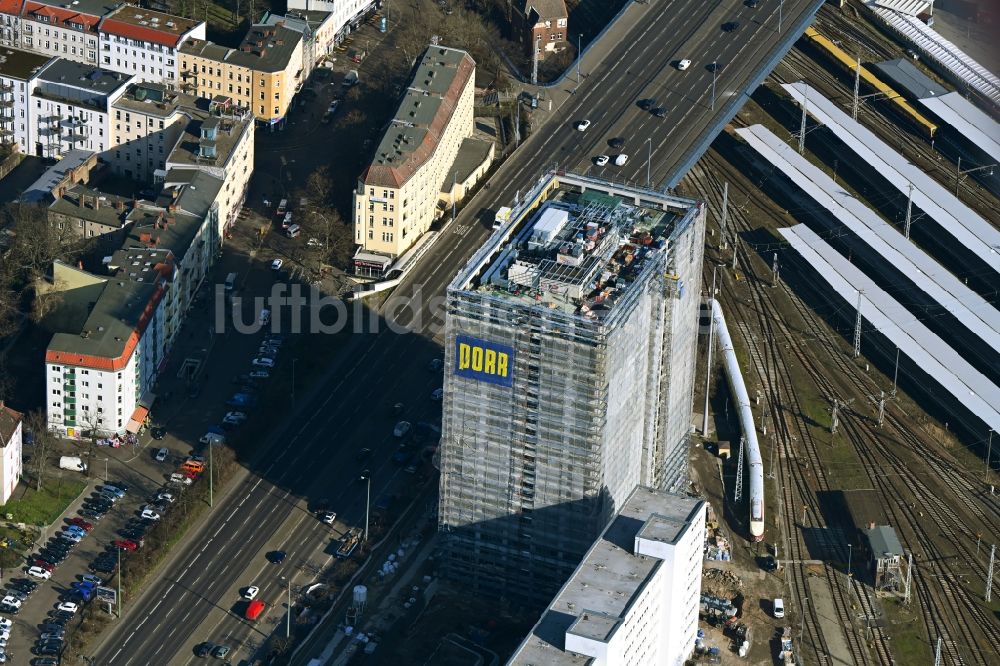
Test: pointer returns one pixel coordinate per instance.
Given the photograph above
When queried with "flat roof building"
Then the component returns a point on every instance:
(634, 598)
(570, 342)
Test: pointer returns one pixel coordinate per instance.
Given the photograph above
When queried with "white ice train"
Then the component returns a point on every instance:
(751, 448)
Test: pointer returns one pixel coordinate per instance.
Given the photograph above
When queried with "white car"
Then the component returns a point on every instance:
(583, 125)
(5, 624)
(259, 374)
(38, 572)
(402, 429)
(601, 160)
(683, 64)
(276, 264)
(263, 362)
(251, 592)
(314, 242)
(162, 454)
(779, 608)
(68, 606)
(149, 514)
(437, 394)
(621, 159)
(10, 601)
(180, 478)
(165, 497)
(328, 517)
(237, 417)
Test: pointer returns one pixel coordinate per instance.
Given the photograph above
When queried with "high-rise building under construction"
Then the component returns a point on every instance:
(569, 371)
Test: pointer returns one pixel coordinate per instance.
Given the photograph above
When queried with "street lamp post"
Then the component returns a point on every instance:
(118, 597)
(649, 158)
(715, 69)
(366, 476)
(850, 552)
(211, 473)
(288, 616)
(579, 56)
(105, 470)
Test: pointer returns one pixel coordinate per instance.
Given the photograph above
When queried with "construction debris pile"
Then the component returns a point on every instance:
(716, 544)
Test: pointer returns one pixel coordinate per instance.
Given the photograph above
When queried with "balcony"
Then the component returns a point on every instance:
(69, 401)
(75, 123)
(70, 412)
(70, 423)
(75, 137)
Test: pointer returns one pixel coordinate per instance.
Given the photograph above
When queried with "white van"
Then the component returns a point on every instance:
(282, 206)
(779, 608)
(230, 281)
(293, 231)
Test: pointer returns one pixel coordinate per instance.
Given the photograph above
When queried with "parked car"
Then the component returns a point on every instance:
(115, 490)
(81, 523)
(401, 430)
(263, 362)
(182, 479)
(161, 454)
(150, 514)
(276, 264)
(125, 544)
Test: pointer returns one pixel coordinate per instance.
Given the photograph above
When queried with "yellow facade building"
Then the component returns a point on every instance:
(262, 75)
(396, 199)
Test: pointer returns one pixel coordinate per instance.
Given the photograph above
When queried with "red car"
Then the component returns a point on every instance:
(44, 565)
(80, 522)
(125, 544)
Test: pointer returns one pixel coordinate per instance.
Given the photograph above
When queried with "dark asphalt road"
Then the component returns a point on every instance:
(195, 596)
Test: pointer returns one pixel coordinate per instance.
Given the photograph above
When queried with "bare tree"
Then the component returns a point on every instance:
(37, 423)
(319, 185)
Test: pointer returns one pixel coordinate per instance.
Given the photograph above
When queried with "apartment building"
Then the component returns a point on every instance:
(218, 141)
(634, 597)
(318, 30)
(396, 198)
(570, 347)
(146, 123)
(263, 75)
(208, 69)
(11, 440)
(345, 15)
(10, 22)
(70, 106)
(104, 360)
(19, 71)
(541, 25)
(91, 214)
(144, 43)
(64, 29)
(74, 167)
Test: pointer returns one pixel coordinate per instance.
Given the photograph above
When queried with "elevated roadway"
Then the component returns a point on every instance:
(195, 597)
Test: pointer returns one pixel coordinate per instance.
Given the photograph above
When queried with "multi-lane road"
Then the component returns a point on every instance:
(196, 596)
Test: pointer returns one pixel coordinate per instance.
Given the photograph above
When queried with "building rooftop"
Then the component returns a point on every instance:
(148, 25)
(81, 14)
(884, 542)
(422, 116)
(82, 202)
(471, 154)
(18, 64)
(41, 190)
(61, 74)
(595, 599)
(581, 251)
(114, 322)
(206, 49)
(267, 48)
(162, 228)
(140, 264)
(211, 135)
(9, 419)
(544, 9)
(908, 79)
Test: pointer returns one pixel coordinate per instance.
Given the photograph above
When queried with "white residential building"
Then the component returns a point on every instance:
(11, 436)
(70, 106)
(347, 14)
(10, 22)
(634, 597)
(144, 43)
(18, 73)
(67, 30)
(98, 371)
